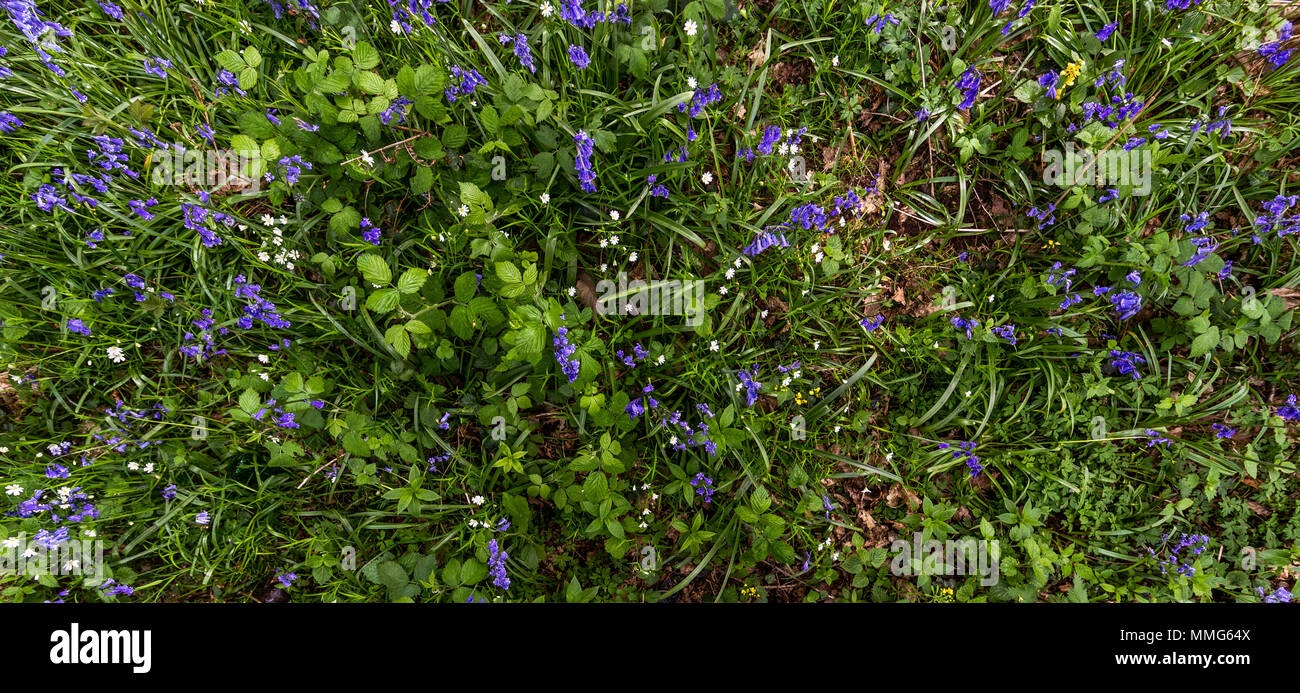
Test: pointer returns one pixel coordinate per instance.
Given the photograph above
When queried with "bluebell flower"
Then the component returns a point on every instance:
(1106, 31)
(76, 325)
(285, 579)
(154, 66)
(497, 565)
(1126, 362)
(1127, 304)
(969, 85)
(872, 323)
(964, 324)
(1273, 51)
(1007, 332)
(1289, 411)
(1155, 438)
(703, 487)
(564, 352)
(582, 161)
(9, 122)
(1222, 431)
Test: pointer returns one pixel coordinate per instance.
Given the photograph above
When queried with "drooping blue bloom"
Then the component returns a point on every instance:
(763, 240)
(703, 487)
(964, 324)
(285, 579)
(564, 352)
(1222, 431)
(969, 85)
(578, 57)
(9, 122)
(76, 325)
(582, 161)
(1273, 51)
(1289, 411)
(1007, 332)
(1106, 31)
(1127, 304)
(155, 66)
(497, 565)
(1126, 362)
(872, 323)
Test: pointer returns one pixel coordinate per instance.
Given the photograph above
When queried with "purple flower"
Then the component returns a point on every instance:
(872, 323)
(154, 66)
(969, 85)
(1007, 332)
(497, 565)
(582, 162)
(203, 518)
(285, 579)
(75, 325)
(1126, 362)
(564, 352)
(1106, 31)
(703, 487)
(1127, 304)
(578, 57)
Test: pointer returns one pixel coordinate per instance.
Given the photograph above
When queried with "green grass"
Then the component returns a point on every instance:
(389, 338)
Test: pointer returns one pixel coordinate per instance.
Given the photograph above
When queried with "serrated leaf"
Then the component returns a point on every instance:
(374, 269)
(412, 280)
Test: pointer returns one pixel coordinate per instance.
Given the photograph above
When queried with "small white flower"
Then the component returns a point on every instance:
(722, 290)
(643, 525)
(264, 358)
(547, 9)
(817, 344)
(968, 393)
(990, 298)
(463, 210)
(473, 522)
(14, 490)
(477, 500)
(365, 157)
(613, 240)
(546, 198)
(713, 345)
(816, 247)
(614, 214)
(133, 466)
(267, 219)
(835, 61)
(632, 257)
(672, 440)
(707, 177)
(10, 543)
(691, 82)
(90, 533)
(731, 272)
(645, 512)
(805, 292)
(819, 257)
(691, 27)
(265, 376)
(573, 291)
(31, 551)
(660, 360)
(115, 354)
(886, 244)
(837, 429)
(148, 468)
(604, 242)
(604, 267)
(786, 382)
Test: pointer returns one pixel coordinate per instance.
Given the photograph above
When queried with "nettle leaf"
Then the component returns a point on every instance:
(412, 280)
(374, 269)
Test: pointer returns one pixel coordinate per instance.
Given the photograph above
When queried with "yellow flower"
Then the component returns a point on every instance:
(1070, 73)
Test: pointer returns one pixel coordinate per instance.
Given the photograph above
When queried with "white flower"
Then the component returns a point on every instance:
(835, 61)
(816, 247)
(837, 428)
(691, 82)
(786, 382)
(672, 440)
(886, 244)
(731, 272)
(546, 198)
(264, 256)
(632, 257)
(990, 298)
(396, 27)
(115, 354)
(90, 533)
(267, 219)
(817, 344)
(265, 376)
(133, 466)
(14, 490)
(722, 290)
(31, 551)
(691, 27)
(148, 468)
(707, 177)
(614, 214)
(264, 358)
(463, 210)
(547, 9)
(763, 315)
(613, 240)
(573, 291)
(646, 511)
(477, 500)
(473, 522)
(713, 345)
(643, 525)
(654, 496)
(365, 157)
(10, 543)
(604, 242)
(604, 267)
(660, 360)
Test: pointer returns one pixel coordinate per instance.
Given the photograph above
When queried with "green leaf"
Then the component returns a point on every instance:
(371, 83)
(392, 575)
(397, 338)
(365, 56)
(383, 301)
(412, 280)
(374, 269)
(466, 286)
(1205, 343)
(508, 273)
